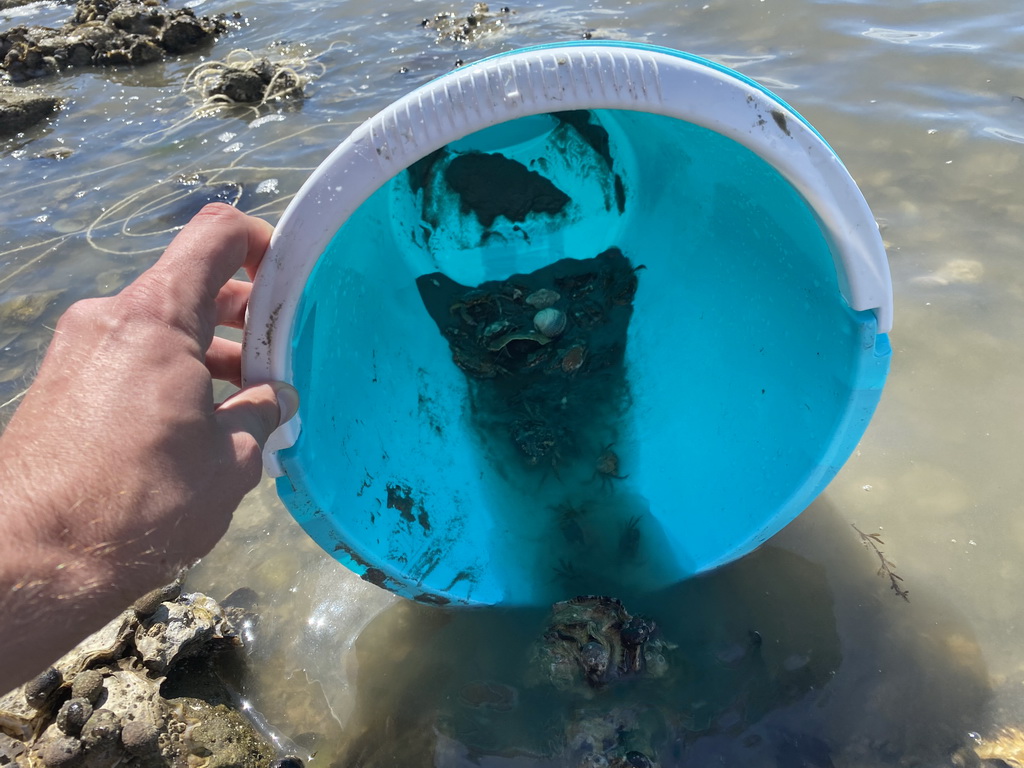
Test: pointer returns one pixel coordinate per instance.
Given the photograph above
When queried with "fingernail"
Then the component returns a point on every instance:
(287, 401)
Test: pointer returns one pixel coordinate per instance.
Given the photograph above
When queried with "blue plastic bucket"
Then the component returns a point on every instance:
(715, 351)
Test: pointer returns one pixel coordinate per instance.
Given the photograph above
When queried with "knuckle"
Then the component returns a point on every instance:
(218, 211)
(83, 314)
(153, 303)
(146, 299)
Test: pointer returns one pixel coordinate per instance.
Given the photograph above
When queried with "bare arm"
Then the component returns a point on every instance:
(118, 468)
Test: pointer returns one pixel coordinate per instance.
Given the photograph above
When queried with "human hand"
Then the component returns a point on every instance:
(118, 468)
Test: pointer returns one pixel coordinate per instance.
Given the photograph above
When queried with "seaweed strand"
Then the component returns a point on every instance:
(886, 567)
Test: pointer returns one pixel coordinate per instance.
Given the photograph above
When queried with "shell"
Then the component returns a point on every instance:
(500, 343)
(543, 298)
(550, 322)
(573, 358)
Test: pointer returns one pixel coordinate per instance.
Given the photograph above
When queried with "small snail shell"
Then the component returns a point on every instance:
(543, 298)
(550, 322)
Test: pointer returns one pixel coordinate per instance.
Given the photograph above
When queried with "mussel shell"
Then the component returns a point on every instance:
(550, 322)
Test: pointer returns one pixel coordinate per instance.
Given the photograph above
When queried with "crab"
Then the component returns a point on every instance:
(569, 524)
(626, 290)
(535, 439)
(607, 467)
(479, 365)
(476, 307)
(538, 438)
(629, 540)
(566, 571)
(587, 314)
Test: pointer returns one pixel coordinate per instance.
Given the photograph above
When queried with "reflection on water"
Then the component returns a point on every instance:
(846, 672)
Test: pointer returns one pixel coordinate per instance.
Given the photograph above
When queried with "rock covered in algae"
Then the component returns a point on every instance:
(142, 691)
(592, 641)
(249, 80)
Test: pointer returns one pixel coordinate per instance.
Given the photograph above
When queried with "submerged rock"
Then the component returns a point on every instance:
(101, 33)
(21, 108)
(592, 641)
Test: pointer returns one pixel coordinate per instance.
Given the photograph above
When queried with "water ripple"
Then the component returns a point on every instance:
(1004, 134)
(899, 36)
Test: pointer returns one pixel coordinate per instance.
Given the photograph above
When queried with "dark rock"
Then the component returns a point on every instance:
(184, 34)
(92, 10)
(244, 597)
(105, 32)
(22, 58)
(132, 49)
(137, 19)
(241, 85)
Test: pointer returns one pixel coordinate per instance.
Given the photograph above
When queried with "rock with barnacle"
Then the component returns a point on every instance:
(105, 32)
(143, 692)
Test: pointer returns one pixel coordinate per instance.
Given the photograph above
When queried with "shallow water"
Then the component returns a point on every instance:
(921, 100)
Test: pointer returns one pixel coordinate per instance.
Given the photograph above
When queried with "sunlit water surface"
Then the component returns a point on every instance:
(924, 103)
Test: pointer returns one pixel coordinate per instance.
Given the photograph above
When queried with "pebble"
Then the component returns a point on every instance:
(146, 605)
(72, 716)
(61, 752)
(140, 738)
(87, 685)
(39, 689)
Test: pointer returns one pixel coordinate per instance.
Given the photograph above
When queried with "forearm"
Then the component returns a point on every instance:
(56, 585)
(49, 602)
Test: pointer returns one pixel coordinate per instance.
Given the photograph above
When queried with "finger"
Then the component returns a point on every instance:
(182, 287)
(257, 411)
(231, 303)
(238, 239)
(224, 360)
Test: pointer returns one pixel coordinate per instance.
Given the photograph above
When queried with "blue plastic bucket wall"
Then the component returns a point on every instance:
(745, 381)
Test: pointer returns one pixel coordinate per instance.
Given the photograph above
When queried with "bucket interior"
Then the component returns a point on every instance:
(722, 383)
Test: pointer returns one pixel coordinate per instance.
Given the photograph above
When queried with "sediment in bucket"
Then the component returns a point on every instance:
(715, 299)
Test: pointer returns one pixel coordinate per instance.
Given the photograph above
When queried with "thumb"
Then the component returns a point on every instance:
(258, 410)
